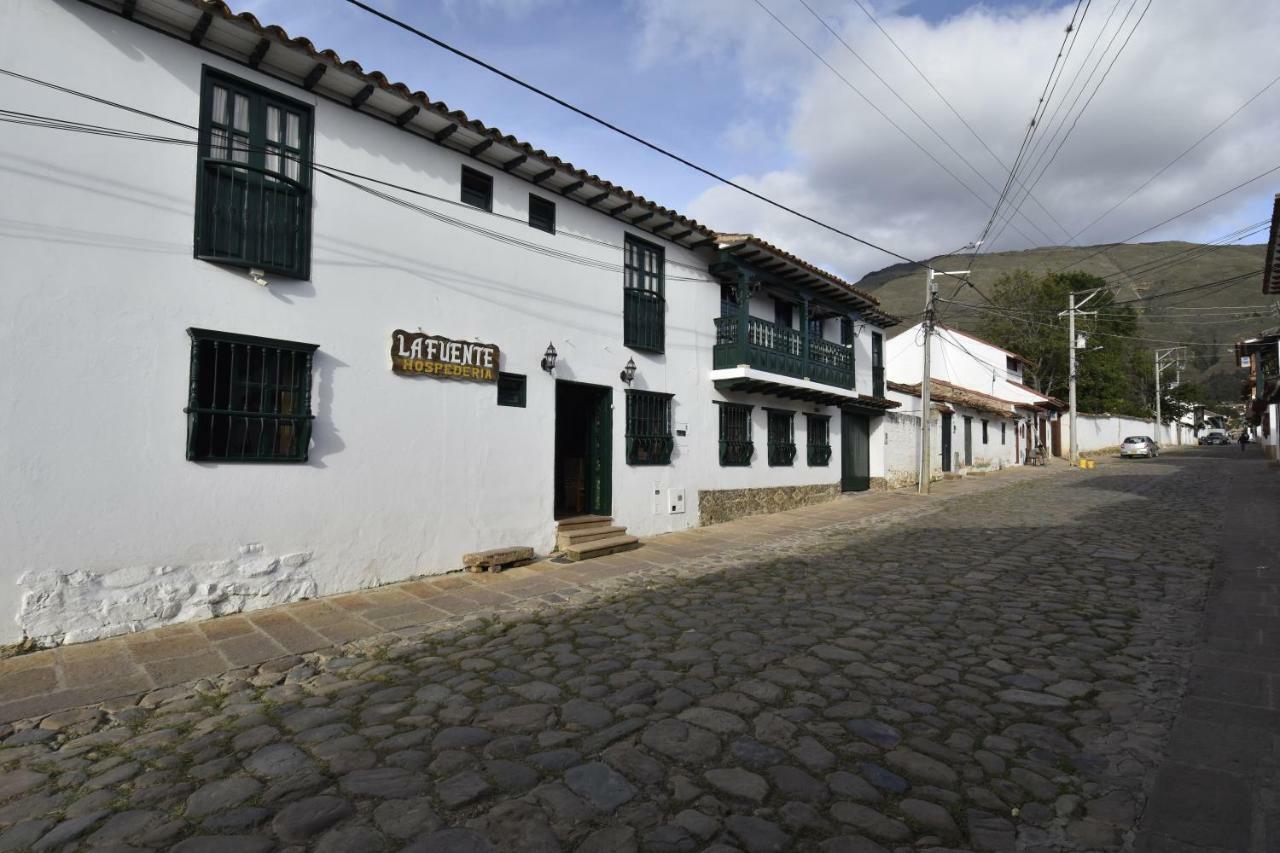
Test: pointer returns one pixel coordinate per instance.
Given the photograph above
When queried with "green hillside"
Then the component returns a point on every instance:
(1136, 270)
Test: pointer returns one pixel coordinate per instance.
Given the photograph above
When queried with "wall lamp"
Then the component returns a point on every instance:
(629, 372)
(549, 359)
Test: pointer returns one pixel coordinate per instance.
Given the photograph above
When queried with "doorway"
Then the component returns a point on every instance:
(855, 452)
(1055, 434)
(946, 442)
(584, 450)
(968, 441)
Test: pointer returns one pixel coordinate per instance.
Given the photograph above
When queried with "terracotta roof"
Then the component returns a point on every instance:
(948, 393)
(739, 243)
(243, 37)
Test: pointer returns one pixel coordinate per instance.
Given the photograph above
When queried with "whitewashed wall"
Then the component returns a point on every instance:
(1104, 432)
(955, 357)
(108, 529)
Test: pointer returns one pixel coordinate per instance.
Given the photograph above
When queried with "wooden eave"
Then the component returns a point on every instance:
(240, 37)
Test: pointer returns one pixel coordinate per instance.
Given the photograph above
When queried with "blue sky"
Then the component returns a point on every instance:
(723, 83)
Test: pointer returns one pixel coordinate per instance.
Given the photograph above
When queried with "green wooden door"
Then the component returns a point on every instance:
(601, 461)
(968, 441)
(855, 452)
(946, 442)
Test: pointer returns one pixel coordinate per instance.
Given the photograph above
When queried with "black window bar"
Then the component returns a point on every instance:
(649, 440)
(819, 442)
(735, 435)
(249, 398)
(782, 444)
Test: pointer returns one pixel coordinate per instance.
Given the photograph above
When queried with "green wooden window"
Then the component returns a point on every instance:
(735, 434)
(783, 312)
(643, 296)
(984, 431)
(649, 440)
(782, 439)
(249, 398)
(1002, 426)
(877, 364)
(477, 188)
(511, 389)
(542, 214)
(253, 187)
(819, 440)
(846, 331)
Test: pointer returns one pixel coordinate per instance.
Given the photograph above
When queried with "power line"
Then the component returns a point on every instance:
(1092, 95)
(1041, 105)
(913, 111)
(1184, 153)
(873, 106)
(542, 93)
(1003, 166)
(1178, 215)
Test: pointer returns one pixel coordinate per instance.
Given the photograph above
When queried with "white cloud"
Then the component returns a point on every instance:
(1188, 66)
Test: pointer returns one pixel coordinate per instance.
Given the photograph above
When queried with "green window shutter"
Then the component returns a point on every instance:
(819, 440)
(253, 185)
(736, 447)
(477, 188)
(782, 443)
(649, 440)
(511, 389)
(643, 295)
(249, 398)
(542, 214)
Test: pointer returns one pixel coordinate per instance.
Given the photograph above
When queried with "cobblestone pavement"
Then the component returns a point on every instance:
(993, 673)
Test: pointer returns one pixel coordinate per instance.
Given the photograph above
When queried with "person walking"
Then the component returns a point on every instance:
(1244, 439)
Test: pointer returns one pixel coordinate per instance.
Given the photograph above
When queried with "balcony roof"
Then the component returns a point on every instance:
(788, 267)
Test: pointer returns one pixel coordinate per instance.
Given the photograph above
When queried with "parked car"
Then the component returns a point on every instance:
(1140, 445)
(1216, 436)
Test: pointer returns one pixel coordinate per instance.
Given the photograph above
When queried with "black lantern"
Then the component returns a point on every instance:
(549, 359)
(629, 372)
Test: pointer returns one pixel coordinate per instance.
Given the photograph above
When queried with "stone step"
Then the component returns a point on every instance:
(579, 521)
(601, 547)
(587, 533)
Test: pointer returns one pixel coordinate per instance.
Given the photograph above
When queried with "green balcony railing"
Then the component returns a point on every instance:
(776, 349)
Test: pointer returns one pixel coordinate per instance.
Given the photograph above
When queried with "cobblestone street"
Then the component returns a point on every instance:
(1000, 671)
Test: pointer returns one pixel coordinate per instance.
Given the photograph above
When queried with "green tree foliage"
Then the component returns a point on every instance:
(1115, 378)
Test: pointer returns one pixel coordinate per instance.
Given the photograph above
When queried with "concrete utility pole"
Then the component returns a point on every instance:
(1072, 346)
(1161, 356)
(930, 306)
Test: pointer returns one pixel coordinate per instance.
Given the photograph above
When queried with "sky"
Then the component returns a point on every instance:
(726, 85)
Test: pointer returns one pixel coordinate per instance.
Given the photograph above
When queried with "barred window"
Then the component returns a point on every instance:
(643, 296)
(253, 196)
(819, 443)
(249, 398)
(511, 389)
(782, 440)
(735, 434)
(649, 439)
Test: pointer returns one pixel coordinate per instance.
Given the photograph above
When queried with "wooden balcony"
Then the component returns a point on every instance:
(769, 347)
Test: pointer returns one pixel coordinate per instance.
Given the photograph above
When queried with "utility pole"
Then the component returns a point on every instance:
(930, 306)
(1072, 346)
(1162, 360)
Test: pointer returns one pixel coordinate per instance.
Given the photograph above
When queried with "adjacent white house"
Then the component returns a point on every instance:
(982, 417)
(276, 327)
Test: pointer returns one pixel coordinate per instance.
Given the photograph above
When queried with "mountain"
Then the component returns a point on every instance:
(1136, 270)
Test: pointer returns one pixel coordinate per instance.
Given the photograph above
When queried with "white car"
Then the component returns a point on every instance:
(1140, 445)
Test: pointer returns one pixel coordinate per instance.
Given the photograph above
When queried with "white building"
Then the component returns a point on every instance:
(983, 417)
(345, 379)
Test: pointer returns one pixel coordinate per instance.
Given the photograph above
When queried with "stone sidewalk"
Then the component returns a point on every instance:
(53, 680)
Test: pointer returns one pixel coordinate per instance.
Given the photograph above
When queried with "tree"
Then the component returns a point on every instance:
(1109, 379)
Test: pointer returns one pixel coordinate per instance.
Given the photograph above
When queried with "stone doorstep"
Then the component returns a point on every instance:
(496, 559)
(65, 678)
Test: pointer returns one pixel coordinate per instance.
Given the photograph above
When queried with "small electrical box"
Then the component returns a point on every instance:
(675, 500)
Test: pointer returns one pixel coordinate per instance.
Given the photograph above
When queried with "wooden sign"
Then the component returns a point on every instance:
(420, 354)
